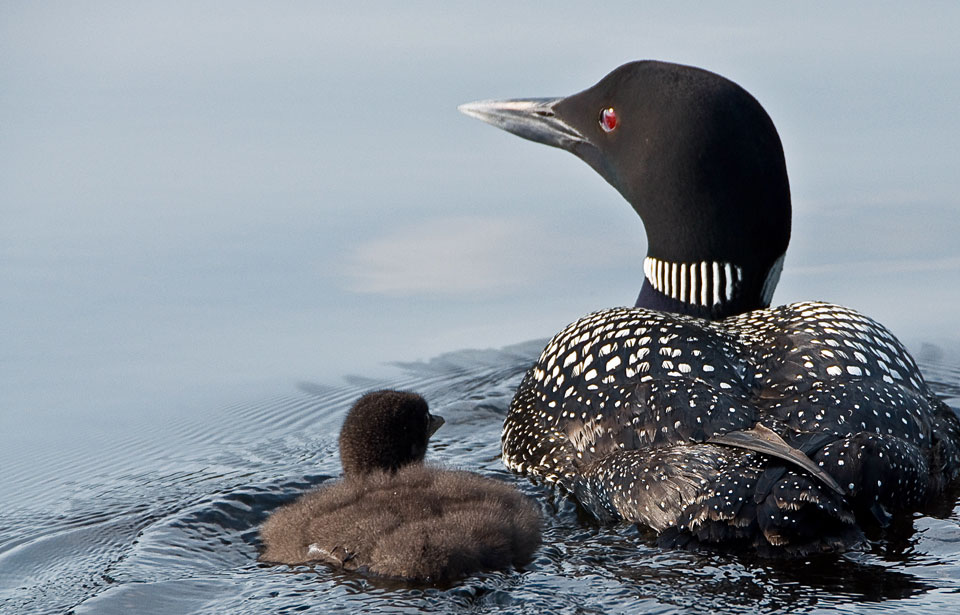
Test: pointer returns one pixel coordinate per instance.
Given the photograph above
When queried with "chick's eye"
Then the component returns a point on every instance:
(608, 119)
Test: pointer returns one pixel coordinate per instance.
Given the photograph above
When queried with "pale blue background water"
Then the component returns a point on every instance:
(203, 204)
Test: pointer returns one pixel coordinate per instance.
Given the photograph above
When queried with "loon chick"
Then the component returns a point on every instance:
(391, 516)
(701, 412)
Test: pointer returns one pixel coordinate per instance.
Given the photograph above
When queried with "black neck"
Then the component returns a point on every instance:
(706, 289)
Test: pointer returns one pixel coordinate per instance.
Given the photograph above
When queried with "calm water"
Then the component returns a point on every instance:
(165, 521)
(201, 207)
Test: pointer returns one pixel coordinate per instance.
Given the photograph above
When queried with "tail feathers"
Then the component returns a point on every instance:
(803, 516)
(770, 511)
(715, 495)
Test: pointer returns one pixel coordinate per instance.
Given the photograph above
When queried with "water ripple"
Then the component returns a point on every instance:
(166, 521)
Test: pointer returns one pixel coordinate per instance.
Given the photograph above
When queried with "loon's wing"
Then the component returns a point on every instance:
(762, 439)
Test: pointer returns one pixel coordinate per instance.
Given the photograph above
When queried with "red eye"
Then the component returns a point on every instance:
(608, 119)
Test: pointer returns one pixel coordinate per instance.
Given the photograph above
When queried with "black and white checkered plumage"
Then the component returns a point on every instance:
(621, 406)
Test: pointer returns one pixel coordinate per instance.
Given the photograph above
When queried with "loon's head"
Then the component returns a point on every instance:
(386, 430)
(701, 163)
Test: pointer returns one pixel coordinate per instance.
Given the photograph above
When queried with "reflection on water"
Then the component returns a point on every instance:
(165, 521)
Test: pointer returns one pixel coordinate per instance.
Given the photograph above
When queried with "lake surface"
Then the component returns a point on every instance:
(164, 520)
(219, 226)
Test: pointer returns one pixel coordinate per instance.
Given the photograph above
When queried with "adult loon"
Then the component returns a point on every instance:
(701, 412)
(392, 516)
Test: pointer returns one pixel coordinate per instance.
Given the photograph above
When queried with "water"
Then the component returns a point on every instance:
(203, 206)
(165, 520)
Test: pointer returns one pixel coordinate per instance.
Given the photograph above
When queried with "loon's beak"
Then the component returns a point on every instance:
(434, 424)
(539, 119)
(530, 118)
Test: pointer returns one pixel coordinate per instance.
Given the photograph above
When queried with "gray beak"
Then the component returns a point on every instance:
(531, 118)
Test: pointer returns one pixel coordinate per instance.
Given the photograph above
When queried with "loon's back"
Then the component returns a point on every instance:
(627, 409)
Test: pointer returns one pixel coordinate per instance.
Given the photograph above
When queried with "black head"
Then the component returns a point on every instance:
(695, 155)
(386, 430)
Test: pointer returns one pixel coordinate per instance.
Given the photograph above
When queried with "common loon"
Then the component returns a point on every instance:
(391, 516)
(702, 413)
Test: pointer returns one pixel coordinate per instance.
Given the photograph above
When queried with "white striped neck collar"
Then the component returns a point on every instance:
(708, 288)
(703, 283)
